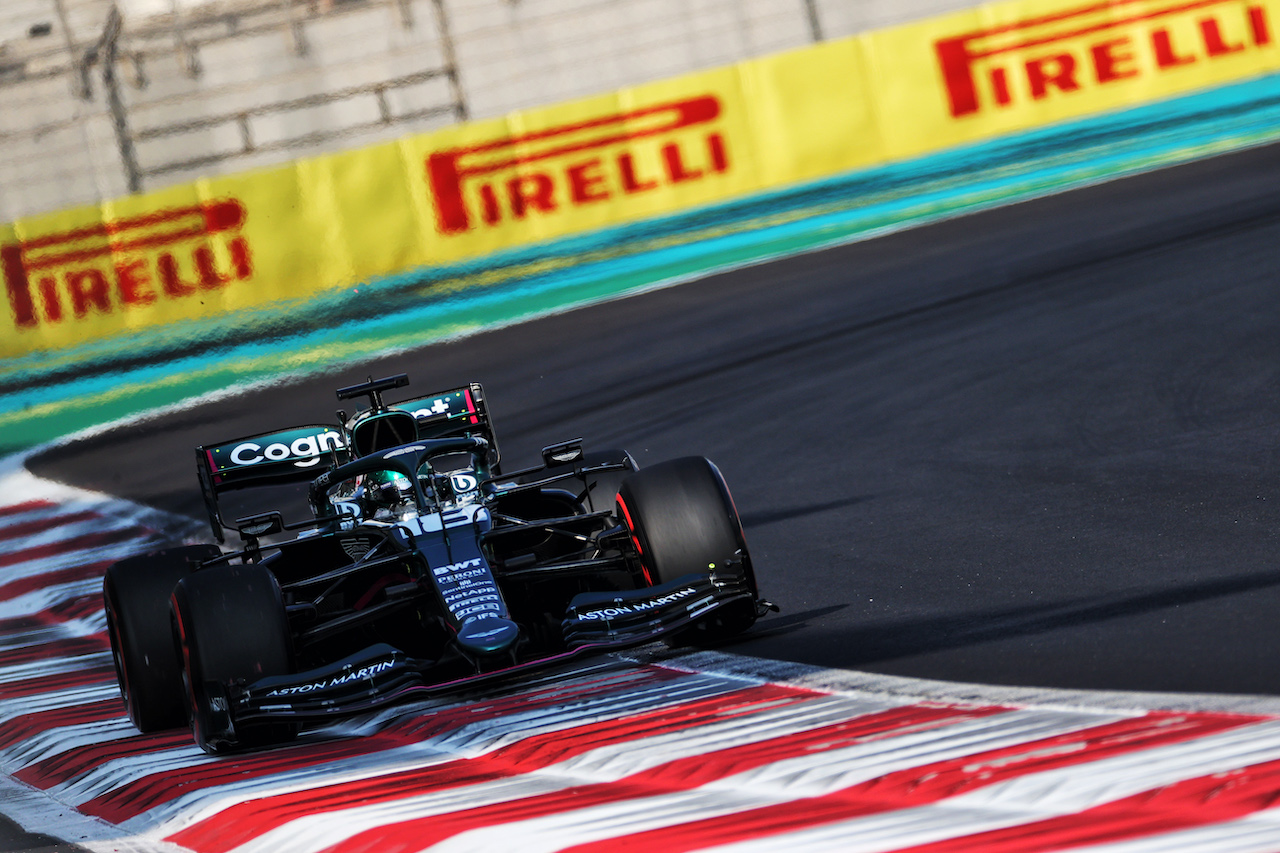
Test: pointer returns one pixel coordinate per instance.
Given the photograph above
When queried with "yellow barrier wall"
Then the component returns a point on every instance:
(221, 245)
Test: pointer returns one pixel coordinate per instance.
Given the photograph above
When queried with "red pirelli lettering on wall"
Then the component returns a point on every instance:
(576, 164)
(1099, 44)
(122, 264)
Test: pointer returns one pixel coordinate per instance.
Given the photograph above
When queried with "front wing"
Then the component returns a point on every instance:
(381, 675)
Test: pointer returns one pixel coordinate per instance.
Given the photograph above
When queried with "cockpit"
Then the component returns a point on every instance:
(431, 476)
(447, 469)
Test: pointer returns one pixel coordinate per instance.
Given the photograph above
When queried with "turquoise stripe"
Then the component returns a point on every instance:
(416, 307)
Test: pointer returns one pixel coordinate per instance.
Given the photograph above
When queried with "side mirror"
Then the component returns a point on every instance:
(563, 453)
(253, 527)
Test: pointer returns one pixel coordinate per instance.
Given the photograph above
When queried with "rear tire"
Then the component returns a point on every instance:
(683, 521)
(135, 594)
(230, 625)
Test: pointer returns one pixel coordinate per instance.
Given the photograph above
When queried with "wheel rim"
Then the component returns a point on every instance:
(635, 540)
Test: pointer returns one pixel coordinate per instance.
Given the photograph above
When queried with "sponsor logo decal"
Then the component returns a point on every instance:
(484, 635)
(576, 164)
(469, 591)
(637, 606)
(464, 612)
(450, 404)
(305, 450)
(435, 407)
(457, 569)
(466, 595)
(337, 681)
(122, 265)
(1091, 46)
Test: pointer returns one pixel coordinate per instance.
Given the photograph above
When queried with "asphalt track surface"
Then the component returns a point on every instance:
(1034, 446)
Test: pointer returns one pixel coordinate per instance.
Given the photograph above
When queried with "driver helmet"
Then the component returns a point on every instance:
(386, 490)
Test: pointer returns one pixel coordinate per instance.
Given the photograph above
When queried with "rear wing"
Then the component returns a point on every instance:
(300, 454)
(294, 455)
(460, 411)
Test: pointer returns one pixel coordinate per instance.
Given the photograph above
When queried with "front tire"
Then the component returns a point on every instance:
(135, 595)
(230, 625)
(682, 521)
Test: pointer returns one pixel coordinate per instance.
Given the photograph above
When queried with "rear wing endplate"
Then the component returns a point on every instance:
(294, 455)
(461, 411)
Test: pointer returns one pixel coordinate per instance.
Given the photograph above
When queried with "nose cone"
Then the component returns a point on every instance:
(487, 635)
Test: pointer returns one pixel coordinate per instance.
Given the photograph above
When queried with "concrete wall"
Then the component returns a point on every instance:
(218, 86)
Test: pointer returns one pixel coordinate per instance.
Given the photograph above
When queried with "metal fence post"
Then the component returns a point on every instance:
(815, 23)
(297, 36)
(106, 51)
(450, 60)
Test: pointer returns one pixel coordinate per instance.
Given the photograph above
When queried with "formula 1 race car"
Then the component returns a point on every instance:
(423, 567)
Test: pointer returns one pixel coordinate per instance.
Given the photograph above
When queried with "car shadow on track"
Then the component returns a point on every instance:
(901, 638)
(776, 626)
(760, 518)
(805, 638)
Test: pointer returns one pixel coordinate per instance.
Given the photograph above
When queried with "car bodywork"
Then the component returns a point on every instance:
(424, 566)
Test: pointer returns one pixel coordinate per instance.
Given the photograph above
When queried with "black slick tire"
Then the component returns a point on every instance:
(135, 594)
(683, 521)
(229, 624)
